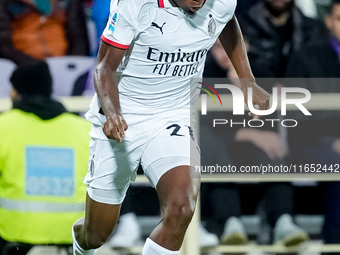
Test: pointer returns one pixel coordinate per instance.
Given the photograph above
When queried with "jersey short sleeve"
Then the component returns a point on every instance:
(120, 29)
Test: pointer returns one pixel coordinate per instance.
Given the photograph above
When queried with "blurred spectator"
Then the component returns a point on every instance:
(32, 29)
(43, 158)
(321, 143)
(274, 29)
(251, 147)
(321, 59)
(100, 14)
(243, 6)
(308, 8)
(322, 7)
(91, 27)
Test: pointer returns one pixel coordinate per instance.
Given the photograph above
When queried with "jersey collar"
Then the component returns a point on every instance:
(167, 4)
(164, 4)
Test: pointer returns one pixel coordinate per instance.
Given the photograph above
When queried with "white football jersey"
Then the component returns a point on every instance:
(165, 49)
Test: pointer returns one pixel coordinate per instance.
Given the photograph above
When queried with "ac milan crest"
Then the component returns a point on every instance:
(211, 26)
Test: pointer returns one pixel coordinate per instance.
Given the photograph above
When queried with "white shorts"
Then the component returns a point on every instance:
(158, 143)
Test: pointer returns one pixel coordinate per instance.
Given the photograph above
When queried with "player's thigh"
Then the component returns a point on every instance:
(178, 187)
(170, 161)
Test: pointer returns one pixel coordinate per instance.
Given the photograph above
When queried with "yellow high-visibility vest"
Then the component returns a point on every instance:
(42, 164)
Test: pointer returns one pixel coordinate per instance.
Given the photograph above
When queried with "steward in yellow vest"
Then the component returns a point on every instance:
(43, 158)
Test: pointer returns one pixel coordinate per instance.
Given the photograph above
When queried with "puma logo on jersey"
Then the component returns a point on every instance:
(153, 24)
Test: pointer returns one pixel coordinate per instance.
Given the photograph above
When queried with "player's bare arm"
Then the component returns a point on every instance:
(233, 43)
(108, 60)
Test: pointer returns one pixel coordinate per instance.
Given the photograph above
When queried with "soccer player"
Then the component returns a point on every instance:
(150, 51)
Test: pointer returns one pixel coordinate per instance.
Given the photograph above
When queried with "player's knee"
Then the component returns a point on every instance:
(179, 213)
(95, 239)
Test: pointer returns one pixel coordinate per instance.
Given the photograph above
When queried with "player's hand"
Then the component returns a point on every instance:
(267, 141)
(260, 97)
(114, 127)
